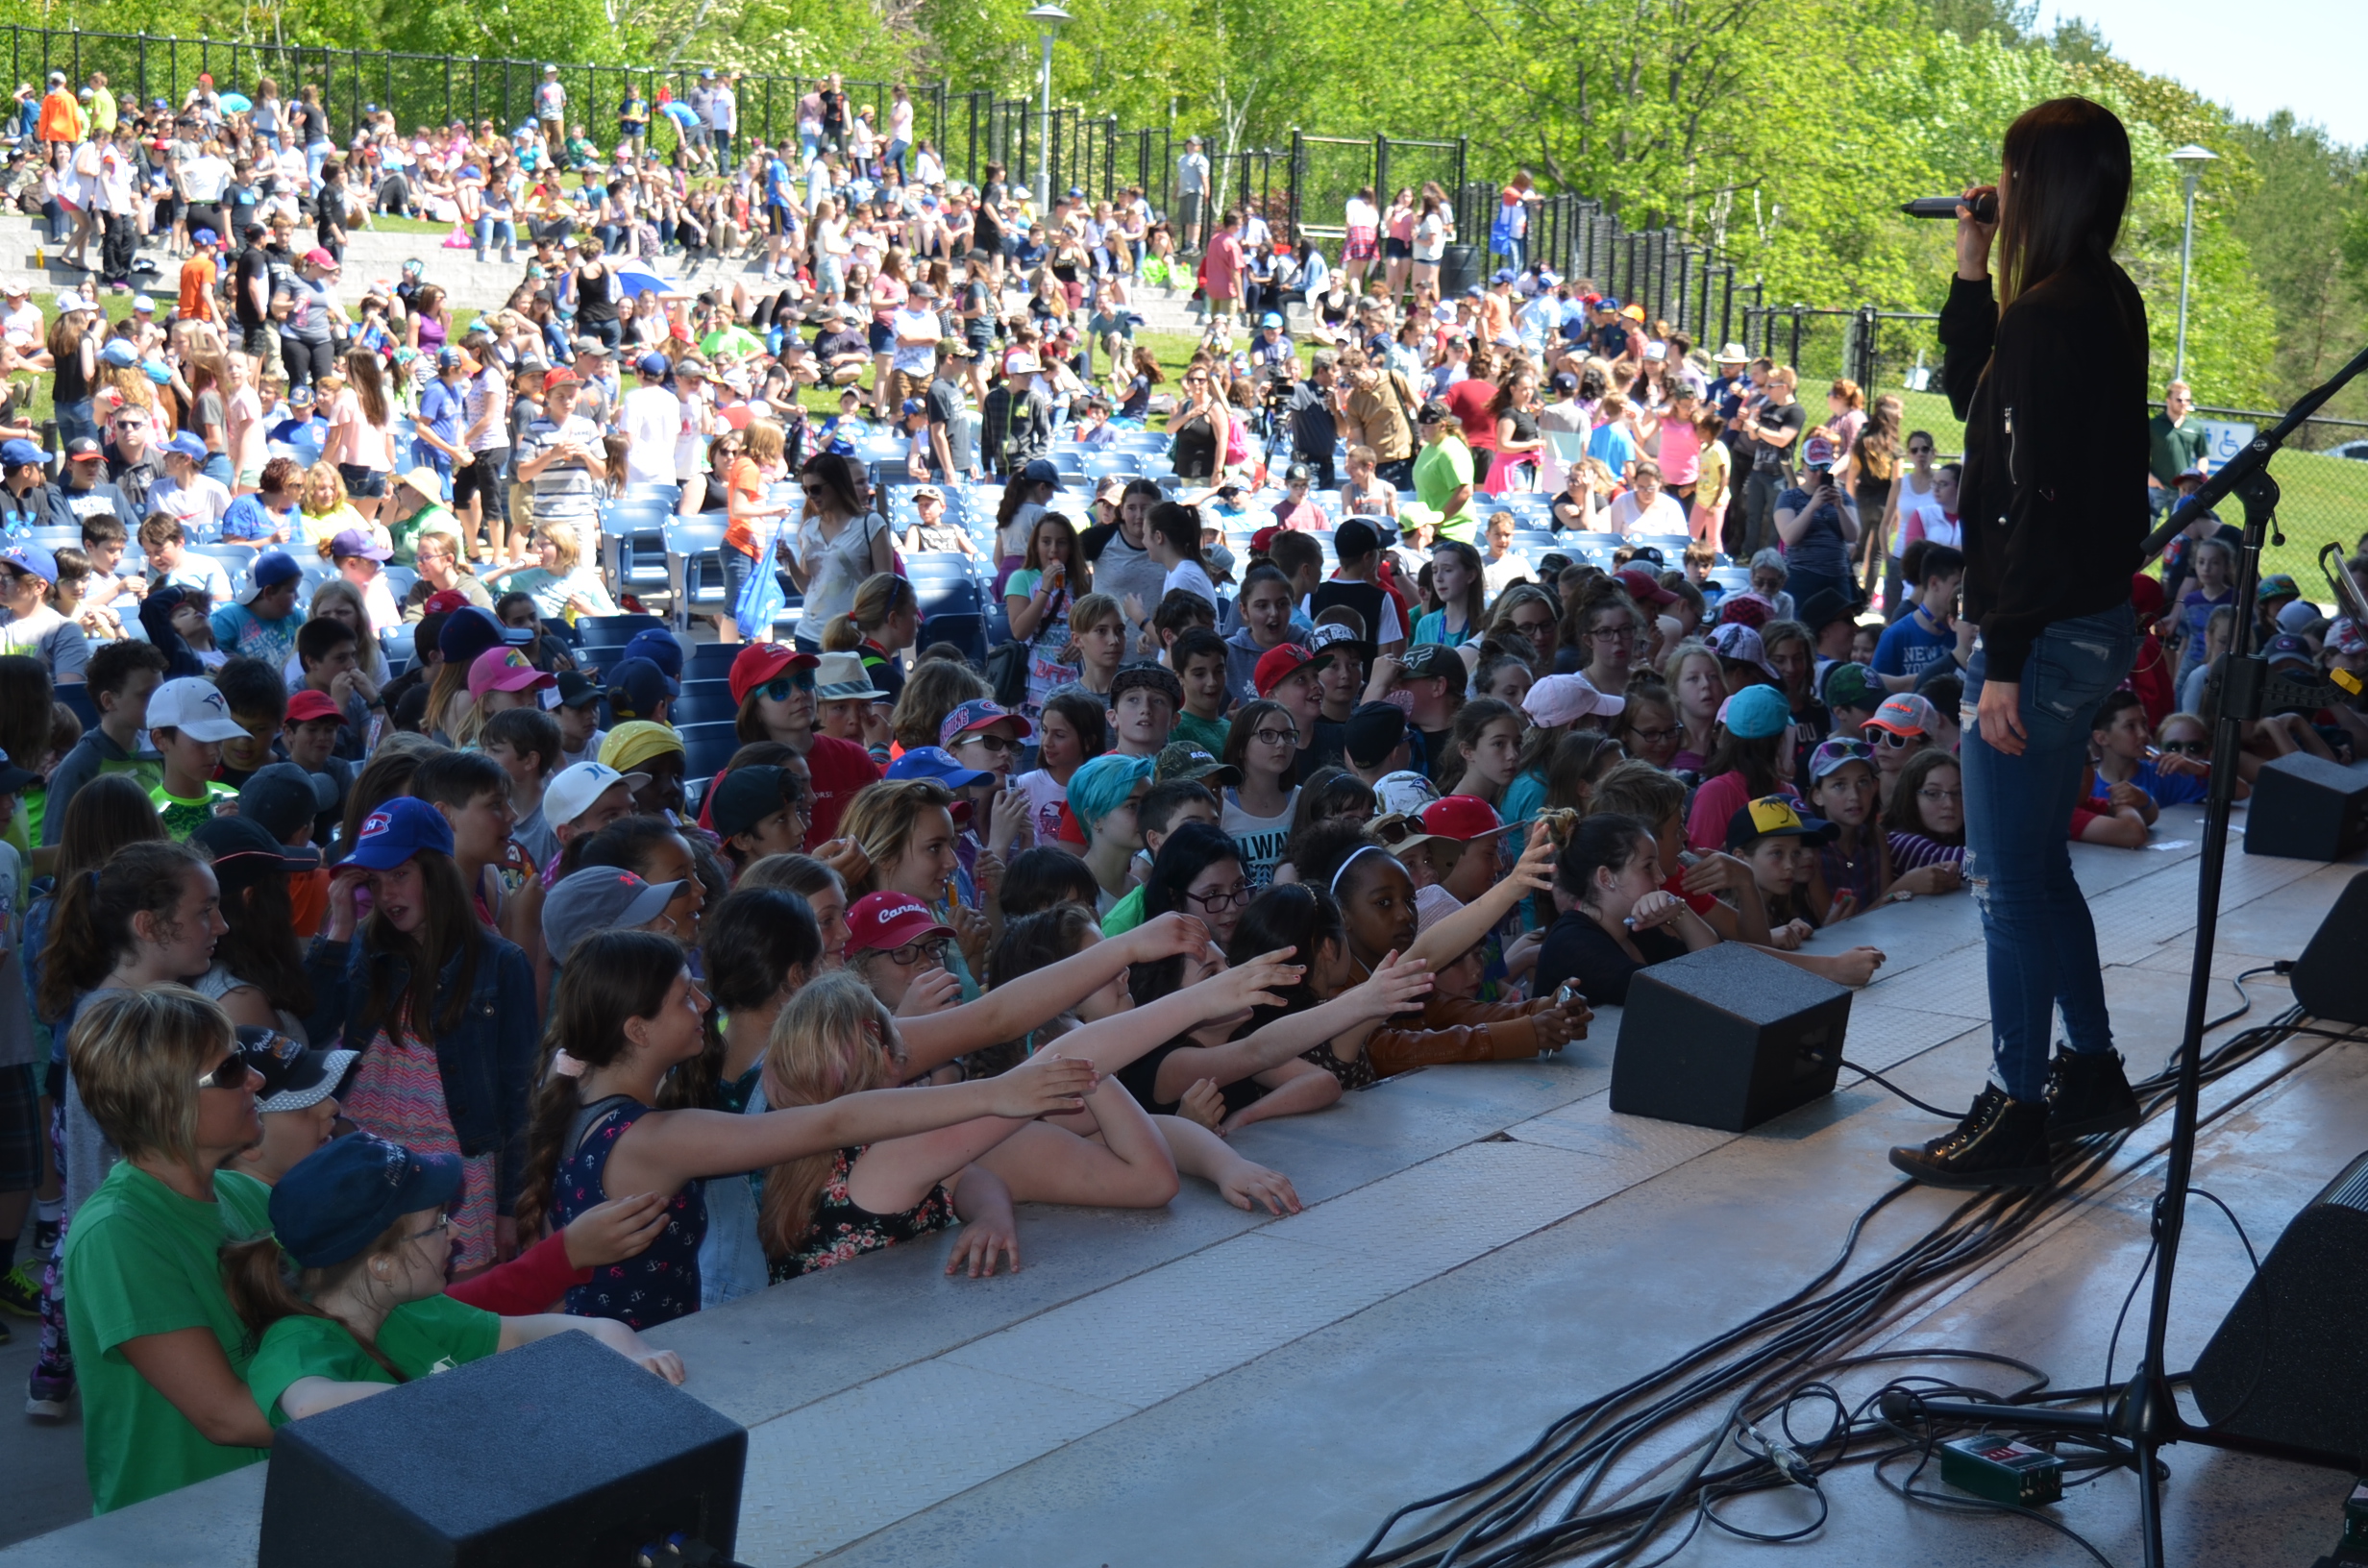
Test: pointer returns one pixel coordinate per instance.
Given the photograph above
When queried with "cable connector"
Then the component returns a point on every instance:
(1783, 1456)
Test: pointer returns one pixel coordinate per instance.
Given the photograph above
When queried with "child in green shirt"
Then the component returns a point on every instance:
(188, 721)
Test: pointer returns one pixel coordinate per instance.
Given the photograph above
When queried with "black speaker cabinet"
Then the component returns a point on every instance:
(2308, 808)
(561, 1453)
(2288, 1362)
(1727, 1038)
(2330, 980)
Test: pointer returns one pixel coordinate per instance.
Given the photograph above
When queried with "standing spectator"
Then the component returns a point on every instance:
(308, 329)
(1221, 273)
(1771, 431)
(1192, 196)
(723, 117)
(2172, 447)
(550, 107)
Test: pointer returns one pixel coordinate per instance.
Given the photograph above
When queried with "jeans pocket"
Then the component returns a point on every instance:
(2072, 667)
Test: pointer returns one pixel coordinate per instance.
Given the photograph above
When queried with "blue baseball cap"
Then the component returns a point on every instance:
(271, 569)
(635, 689)
(655, 364)
(187, 446)
(935, 762)
(18, 453)
(1039, 471)
(1607, 303)
(471, 630)
(27, 556)
(397, 831)
(344, 1195)
(119, 352)
(1756, 712)
(658, 647)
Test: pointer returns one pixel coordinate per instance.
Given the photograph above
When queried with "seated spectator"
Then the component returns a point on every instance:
(267, 516)
(264, 625)
(170, 561)
(1927, 813)
(1621, 918)
(34, 627)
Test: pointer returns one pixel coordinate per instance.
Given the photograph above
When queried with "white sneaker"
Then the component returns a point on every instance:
(45, 1409)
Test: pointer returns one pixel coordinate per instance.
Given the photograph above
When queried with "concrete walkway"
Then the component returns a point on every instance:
(1483, 1248)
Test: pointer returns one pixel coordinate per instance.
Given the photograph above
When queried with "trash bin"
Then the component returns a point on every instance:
(1459, 269)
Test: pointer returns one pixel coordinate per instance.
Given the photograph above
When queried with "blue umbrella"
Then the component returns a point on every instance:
(235, 103)
(636, 278)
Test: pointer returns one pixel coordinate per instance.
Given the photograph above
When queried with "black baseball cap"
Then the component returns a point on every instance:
(747, 796)
(278, 799)
(1373, 732)
(578, 689)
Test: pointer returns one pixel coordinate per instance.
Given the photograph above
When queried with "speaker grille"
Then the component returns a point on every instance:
(2354, 1192)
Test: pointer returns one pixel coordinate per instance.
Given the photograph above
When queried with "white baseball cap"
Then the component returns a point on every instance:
(193, 706)
(572, 790)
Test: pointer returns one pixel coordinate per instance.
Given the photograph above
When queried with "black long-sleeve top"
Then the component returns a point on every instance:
(2053, 394)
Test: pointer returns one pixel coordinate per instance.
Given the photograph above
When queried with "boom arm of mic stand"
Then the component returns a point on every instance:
(2251, 460)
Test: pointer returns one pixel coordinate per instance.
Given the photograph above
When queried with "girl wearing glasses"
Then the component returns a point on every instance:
(1533, 613)
(158, 1069)
(1926, 815)
(1605, 624)
(1263, 745)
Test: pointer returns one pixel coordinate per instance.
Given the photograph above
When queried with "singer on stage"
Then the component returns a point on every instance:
(2048, 369)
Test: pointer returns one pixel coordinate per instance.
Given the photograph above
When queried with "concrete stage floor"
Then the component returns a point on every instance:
(1483, 1248)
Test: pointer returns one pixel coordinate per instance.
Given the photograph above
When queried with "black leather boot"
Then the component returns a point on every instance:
(2088, 1093)
(2002, 1143)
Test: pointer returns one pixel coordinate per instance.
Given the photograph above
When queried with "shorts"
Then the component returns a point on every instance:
(1397, 250)
(362, 483)
(883, 338)
(482, 479)
(21, 1130)
(776, 222)
(260, 340)
(1188, 206)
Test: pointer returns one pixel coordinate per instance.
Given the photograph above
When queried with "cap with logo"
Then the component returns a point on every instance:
(1281, 662)
(1774, 817)
(193, 706)
(1739, 644)
(573, 789)
(935, 762)
(599, 899)
(397, 831)
(1904, 713)
(347, 1193)
(1566, 699)
(759, 663)
(1850, 684)
(885, 920)
(1832, 756)
(979, 714)
(507, 670)
(1435, 661)
(1404, 794)
(1182, 759)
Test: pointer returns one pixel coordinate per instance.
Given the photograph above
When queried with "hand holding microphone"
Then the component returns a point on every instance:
(1977, 223)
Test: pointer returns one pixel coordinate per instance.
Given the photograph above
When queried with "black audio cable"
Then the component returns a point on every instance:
(1536, 1507)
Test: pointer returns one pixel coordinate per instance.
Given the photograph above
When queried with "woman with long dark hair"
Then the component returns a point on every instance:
(2048, 370)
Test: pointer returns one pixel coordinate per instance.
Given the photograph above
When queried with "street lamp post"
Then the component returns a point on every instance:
(2191, 160)
(1049, 20)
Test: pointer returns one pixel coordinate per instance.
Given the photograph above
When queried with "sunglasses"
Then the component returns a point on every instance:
(996, 744)
(2187, 748)
(1894, 740)
(231, 1072)
(1919, 451)
(778, 690)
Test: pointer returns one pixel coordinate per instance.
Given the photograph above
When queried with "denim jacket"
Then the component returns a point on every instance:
(487, 1063)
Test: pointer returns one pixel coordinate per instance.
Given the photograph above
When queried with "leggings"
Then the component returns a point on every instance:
(307, 362)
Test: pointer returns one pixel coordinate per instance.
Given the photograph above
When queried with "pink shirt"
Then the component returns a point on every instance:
(1224, 267)
(1681, 453)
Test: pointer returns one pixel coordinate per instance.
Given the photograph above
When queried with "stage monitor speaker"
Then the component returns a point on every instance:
(561, 1453)
(2288, 1362)
(2308, 808)
(1727, 1038)
(2330, 979)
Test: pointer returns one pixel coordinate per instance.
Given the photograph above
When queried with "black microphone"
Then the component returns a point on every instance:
(1984, 206)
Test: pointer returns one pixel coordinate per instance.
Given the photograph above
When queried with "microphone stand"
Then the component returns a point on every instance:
(2147, 1416)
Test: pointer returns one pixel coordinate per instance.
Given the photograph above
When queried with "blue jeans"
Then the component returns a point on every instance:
(2018, 861)
(490, 229)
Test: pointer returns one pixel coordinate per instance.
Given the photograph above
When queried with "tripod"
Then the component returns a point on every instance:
(2146, 1417)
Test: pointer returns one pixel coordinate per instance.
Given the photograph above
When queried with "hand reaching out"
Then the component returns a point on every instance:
(1395, 984)
(611, 1231)
(1046, 1084)
(1173, 935)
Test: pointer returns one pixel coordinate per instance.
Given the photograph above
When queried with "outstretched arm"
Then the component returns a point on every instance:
(1032, 1000)
(1456, 935)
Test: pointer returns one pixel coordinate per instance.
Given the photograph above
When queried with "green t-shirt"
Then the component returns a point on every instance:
(182, 815)
(420, 1337)
(2172, 451)
(1208, 734)
(139, 1259)
(1441, 469)
(1124, 915)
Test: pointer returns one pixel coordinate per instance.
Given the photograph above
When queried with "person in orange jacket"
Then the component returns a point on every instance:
(61, 124)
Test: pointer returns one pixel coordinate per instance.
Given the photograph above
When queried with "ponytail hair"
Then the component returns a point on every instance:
(609, 977)
(90, 928)
(882, 595)
(265, 1285)
(833, 1038)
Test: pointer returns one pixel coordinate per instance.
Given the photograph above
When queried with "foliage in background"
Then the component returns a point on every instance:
(1781, 131)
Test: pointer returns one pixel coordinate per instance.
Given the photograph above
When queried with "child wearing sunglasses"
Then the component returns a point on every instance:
(1903, 727)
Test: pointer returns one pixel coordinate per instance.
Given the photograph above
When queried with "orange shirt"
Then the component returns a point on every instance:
(747, 490)
(197, 280)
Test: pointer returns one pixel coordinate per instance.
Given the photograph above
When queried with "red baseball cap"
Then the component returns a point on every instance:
(320, 258)
(555, 379)
(759, 662)
(306, 705)
(1459, 817)
(1279, 663)
(879, 922)
(1643, 587)
(444, 602)
(1262, 542)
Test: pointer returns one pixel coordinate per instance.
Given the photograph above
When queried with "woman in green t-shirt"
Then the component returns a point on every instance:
(364, 1224)
(159, 1350)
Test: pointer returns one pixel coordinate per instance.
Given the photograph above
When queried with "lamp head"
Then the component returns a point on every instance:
(1048, 18)
(2191, 158)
